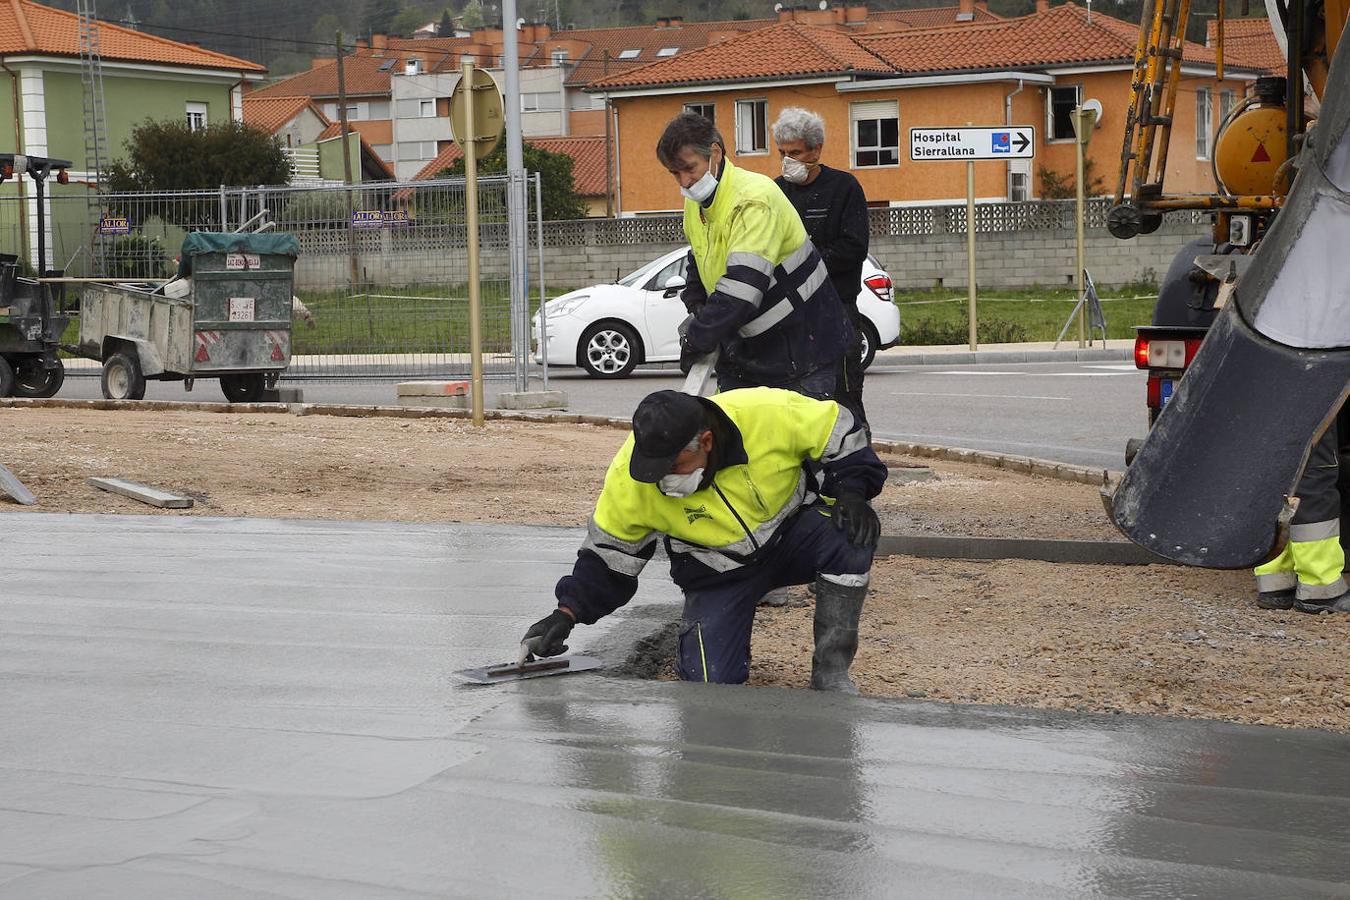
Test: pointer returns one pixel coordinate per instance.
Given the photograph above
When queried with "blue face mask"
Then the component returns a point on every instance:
(674, 485)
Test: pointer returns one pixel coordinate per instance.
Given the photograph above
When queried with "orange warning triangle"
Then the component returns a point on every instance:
(1260, 155)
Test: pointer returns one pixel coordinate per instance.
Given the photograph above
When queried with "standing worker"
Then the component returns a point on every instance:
(1307, 575)
(756, 286)
(833, 208)
(723, 479)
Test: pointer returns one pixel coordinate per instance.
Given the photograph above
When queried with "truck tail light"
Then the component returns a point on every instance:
(1154, 393)
(1153, 353)
(880, 285)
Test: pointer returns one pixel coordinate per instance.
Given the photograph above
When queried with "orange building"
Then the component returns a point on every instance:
(872, 86)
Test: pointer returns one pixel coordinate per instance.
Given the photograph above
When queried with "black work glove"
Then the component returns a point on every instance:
(855, 517)
(688, 356)
(545, 637)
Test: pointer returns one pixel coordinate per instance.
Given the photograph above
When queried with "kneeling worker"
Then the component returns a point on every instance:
(723, 478)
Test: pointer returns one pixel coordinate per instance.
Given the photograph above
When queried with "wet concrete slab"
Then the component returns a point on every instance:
(239, 708)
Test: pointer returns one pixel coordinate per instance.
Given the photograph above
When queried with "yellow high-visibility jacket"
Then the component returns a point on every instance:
(759, 485)
(757, 286)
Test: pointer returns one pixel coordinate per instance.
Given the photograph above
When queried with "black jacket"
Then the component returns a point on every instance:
(834, 210)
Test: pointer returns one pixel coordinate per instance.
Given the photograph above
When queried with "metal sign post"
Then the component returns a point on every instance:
(971, 144)
(1084, 119)
(467, 107)
(970, 256)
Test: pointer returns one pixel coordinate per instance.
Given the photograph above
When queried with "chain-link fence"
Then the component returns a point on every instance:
(382, 277)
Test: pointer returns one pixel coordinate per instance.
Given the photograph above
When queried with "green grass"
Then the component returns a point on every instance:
(431, 319)
(1036, 314)
(434, 318)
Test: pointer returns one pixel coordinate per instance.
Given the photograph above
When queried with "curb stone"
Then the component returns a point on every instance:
(1044, 468)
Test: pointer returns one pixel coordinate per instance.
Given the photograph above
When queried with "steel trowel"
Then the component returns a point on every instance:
(526, 666)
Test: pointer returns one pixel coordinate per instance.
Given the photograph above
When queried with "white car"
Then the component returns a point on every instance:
(608, 329)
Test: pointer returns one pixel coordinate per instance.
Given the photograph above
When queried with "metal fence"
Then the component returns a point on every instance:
(382, 276)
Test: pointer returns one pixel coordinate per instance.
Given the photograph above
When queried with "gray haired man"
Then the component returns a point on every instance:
(833, 208)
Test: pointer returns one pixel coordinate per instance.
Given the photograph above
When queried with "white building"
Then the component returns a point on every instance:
(420, 110)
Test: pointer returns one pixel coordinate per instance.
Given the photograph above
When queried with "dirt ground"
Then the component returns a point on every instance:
(1155, 639)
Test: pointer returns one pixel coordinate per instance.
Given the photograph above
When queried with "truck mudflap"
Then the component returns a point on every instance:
(1211, 484)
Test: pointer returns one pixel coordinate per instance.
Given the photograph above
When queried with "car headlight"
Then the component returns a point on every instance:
(564, 305)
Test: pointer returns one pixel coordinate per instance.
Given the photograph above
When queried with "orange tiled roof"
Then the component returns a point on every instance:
(930, 16)
(271, 113)
(648, 40)
(588, 154)
(27, 27)
(683, 37)
(779, 51)
(1061, 36)
(1248, 42)
(360, 72)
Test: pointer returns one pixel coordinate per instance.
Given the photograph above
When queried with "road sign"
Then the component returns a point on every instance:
(489, 113)
(1006, 142)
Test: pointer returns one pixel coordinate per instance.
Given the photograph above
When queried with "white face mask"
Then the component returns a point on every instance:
(794, 170)
(702, 189)
(674, 485)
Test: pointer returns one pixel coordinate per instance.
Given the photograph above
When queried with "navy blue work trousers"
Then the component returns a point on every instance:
(714, 639)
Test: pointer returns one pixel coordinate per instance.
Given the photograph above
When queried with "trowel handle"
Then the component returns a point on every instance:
(696, 382)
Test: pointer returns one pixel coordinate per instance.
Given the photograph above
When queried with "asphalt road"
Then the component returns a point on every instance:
(1079, 413)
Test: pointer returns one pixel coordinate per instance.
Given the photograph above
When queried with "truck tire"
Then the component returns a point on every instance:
(122, 378)
(31, 380)
(6, 378)
(246, 388)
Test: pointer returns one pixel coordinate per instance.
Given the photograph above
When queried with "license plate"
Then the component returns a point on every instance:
(241, 309)
(1165, 392)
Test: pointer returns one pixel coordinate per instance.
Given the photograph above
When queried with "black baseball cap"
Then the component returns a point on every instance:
(663, 425)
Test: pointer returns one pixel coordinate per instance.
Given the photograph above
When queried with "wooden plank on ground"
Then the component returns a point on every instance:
(13, 487)
(143, 493)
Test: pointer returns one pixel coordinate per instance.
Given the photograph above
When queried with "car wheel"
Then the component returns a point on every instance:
(122, 378)
(608, 350)
(245, 388)
(868, 341)
(31, 380)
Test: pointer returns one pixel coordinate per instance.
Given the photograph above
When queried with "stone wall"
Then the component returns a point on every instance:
(1017, 245)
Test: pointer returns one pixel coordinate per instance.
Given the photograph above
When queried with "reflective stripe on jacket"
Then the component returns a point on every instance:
(721, 528)
(761, 289)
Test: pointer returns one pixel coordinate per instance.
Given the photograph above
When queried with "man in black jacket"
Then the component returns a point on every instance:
(834, 210)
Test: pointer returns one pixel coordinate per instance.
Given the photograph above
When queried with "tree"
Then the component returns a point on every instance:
(555, 176)
(407, 21)
(447, 26)
(172, 156)
(379, 15)
(1057, 186)
(472, 17)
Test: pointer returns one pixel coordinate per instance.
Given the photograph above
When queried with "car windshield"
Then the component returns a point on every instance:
(632, 278)
(637, 276)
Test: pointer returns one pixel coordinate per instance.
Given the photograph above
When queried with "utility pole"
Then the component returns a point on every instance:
(609, 150)
(346, 158)
(517, 211)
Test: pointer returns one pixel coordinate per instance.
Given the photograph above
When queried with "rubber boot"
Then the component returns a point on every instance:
(836, 633)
